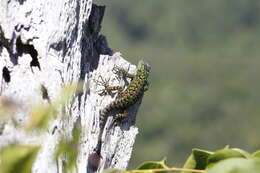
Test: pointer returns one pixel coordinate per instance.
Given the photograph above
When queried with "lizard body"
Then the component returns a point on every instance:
(124, 100)
(129, 96)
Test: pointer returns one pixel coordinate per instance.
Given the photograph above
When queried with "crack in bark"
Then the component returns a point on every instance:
(6, 74)
(93, 44)
(21, 2)
(27, 48)
(4, 42)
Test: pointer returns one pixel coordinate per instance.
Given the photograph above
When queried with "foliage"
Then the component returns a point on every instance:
(17, 157)
(14, 157)
(40, 117)
(69, 149)
(227, 160)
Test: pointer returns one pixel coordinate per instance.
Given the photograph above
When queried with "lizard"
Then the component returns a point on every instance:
(124, 100)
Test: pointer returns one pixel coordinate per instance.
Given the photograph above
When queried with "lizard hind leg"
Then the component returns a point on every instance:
(119, 117)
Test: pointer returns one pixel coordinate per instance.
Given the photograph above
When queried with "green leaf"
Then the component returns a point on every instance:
(69, 148)
(153, 165)
(236, 165)
(243, 152)
(113, 170)
(40, 116)
(190, 163)
(224, 154)
(256, 154)
(68, 91)
(17, 158)
(226, 147)
(197, 159)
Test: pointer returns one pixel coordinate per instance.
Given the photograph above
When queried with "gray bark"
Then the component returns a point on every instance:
(56, 43)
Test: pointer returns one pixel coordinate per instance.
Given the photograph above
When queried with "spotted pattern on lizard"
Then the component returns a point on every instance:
(129, 96)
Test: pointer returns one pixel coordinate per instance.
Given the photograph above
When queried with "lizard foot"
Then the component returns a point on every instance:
(121, 73)
(107, 90)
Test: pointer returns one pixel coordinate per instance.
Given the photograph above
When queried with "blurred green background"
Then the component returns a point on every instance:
(205, 81)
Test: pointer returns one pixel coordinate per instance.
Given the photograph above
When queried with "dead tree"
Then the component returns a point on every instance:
(51, 44)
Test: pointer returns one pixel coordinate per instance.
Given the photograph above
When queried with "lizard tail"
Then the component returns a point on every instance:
(103, 118)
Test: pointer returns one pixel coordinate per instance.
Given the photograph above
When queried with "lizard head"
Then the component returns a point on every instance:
(144, 68)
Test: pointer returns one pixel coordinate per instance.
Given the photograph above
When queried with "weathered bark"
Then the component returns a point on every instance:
(56, 43)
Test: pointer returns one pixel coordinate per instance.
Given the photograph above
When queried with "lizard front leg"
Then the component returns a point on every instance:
(120, 72)
(107, 88)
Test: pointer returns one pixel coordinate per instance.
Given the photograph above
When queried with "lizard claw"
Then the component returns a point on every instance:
(104, 83)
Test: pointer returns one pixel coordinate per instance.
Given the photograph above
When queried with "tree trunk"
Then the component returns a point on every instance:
(54, 43)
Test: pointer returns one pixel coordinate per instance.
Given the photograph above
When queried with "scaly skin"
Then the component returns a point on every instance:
(125, 99)
(128, 97)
